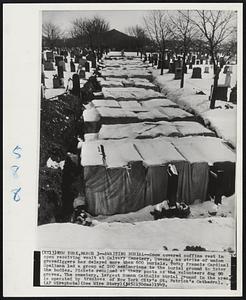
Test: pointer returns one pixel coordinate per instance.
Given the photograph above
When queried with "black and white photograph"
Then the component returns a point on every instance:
(138, 142)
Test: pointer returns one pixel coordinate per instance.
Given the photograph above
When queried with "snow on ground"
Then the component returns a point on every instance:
(137, 230)
(222, 120)
(214, 234)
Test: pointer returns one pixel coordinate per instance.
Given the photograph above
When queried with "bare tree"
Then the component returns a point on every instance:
(158, 29)
(140, 36)
(51, 34)
(90, 31)
(184, 31)
(215, 27)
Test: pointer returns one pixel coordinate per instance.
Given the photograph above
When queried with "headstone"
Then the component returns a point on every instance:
(82, 62)
(220, 93)
(48, 66)
(228, 79)
(196, 73)
(87, 66)
(62, 64)
(76, 60)
(56, 82)
(171, 68)
(206, 70)
(72, 66)
(155, 59)
(82, 73)
(76, 85)
(178, 73)
(57, 59)
(233, 95)
(49, 56)
(60, 72)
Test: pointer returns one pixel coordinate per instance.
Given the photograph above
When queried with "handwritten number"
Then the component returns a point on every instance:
(16, 194)
(17, 148)
(15, 170)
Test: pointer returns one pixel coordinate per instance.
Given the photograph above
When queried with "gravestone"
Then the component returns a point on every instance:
(82, 73)
(178, 73)
(72, 66)
(228, 79)
(155, 59)
(233, 95)
(48, 66)
(206, 70)
(77, 57)
(60, 72)
(62, 64)
(50, 56)
(87, 66)
(220, 92)
(171, 68)
(57, 59)
(56, 82)
(76, 85)
(197, 73)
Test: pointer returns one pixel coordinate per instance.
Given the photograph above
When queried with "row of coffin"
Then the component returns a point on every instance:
(126, 175)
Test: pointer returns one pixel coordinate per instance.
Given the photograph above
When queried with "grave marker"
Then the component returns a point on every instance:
(178, 73)
(196, 73)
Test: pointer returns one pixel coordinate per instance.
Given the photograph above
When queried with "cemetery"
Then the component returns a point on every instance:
(120, 136)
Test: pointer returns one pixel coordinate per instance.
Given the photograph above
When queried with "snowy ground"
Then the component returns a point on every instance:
(221, 120)
(137, 230)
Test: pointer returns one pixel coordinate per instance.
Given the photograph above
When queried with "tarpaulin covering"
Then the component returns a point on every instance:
(153, 129)
(134, 172)
(203, 152)
(158, 102)
(127, 73)
(107, 103)
(111, 83)
(130, 93)
(109, 115)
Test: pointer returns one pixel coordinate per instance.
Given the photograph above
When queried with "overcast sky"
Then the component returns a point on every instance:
(119, 20)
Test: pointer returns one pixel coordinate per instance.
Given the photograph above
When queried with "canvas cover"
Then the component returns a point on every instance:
(131, 177)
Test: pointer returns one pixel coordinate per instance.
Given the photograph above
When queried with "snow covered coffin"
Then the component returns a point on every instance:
(130, 93)
(204, 153)
(157, 155)
(153, 129)
(114, 177)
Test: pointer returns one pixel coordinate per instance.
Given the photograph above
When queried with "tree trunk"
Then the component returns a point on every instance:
(162, 60)
(183, 71)
(216, 79)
